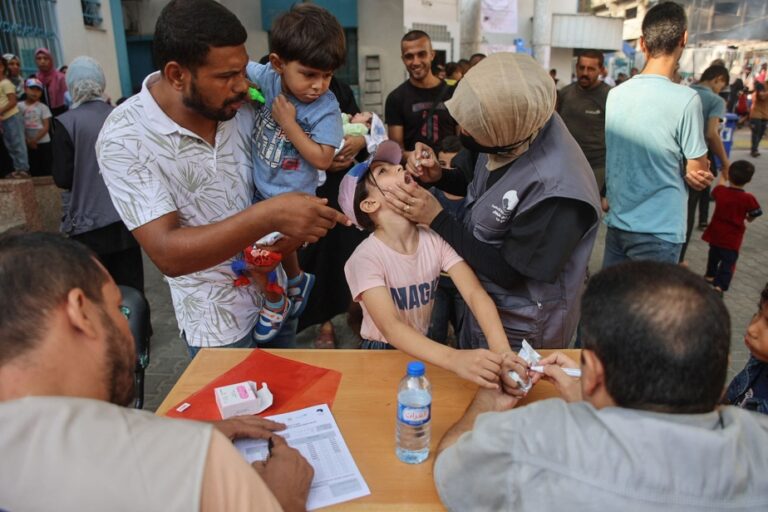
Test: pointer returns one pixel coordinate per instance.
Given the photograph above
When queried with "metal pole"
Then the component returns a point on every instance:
(542, 31)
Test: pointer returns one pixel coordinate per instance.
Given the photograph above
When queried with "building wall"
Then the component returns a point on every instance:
(249, 14)
(618, 9)
(380, 27)
(564, 62)
(436, 12)
(473, 40)
(469, 9)
(78, 39)
(148, 11)
(247, 11)
(708, 20)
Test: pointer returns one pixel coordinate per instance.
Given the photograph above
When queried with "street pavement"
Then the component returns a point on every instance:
(169, 357)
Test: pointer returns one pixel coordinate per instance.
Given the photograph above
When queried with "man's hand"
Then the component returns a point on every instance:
(32, 143)
(480, 366)
(248, 427)
(486, 400)
(568, 387)
(287, 474)
(284, 246)
(698, 179)
(413, 202)
(302, 217)
(422, 163)
(725, 167)
(491, 400)
(514, 363)
(697, 174)
(604, 204)
(339, 165)
(353, 144)
(346, 157)
(283, 111)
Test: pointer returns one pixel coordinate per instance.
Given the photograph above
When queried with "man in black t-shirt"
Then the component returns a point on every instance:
(582, 107)
(415, 111)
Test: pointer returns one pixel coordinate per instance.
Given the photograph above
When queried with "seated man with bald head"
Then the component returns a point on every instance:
(66, 371)
(639, 431)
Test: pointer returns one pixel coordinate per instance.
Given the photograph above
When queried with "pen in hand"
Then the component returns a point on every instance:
(270, 445)
(571, 372)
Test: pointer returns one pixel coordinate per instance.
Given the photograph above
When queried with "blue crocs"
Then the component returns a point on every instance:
(299, 289)
(271, 320)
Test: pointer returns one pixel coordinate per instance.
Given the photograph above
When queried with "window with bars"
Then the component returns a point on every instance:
(26, 25)
(91, 12)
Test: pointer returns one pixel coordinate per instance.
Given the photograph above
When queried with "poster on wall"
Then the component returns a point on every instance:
(499, 16)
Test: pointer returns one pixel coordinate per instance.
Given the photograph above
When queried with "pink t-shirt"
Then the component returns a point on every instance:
(411, 278)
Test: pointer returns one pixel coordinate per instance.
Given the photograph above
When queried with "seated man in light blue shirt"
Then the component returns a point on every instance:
(651, 126)
(639, 431)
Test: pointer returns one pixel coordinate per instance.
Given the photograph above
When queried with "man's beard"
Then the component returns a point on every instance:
(419, 73)
(120, 363)
(196, 103)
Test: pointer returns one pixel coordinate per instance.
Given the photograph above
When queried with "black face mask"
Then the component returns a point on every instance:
(468, 142)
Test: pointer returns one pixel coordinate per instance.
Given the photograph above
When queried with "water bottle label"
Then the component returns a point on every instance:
(414, 416)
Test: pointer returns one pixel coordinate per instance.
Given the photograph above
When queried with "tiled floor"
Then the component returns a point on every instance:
(169, 357)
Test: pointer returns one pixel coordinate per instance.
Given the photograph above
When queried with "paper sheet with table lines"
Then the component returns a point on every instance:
(314, 432)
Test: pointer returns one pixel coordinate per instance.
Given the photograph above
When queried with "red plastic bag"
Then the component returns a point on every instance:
(295, 385)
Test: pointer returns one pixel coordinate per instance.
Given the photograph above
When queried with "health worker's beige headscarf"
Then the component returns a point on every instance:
(505, 99)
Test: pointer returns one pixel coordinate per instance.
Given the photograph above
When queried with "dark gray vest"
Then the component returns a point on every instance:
(546, 314)
(88, 205)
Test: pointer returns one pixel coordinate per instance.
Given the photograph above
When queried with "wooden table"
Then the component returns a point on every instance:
(365, 409)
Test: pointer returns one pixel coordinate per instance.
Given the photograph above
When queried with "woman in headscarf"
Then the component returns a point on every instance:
(89, 216)
(533, 204)
(53, 80)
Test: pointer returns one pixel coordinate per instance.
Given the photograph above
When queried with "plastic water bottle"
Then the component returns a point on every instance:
(414, 414)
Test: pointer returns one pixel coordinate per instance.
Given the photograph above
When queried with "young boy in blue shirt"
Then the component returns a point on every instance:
(297, 130)
(749, 389)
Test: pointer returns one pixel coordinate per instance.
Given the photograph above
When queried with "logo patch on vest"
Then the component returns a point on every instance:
(508, 203)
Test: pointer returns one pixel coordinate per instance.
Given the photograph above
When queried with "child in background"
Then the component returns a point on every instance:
(725, 232)
(297, 130)
(453, 204)
(37, 123)
(12, 124)
(453, 74)
(749, 389)
(449, 306)
(394, 274)
(14, 74)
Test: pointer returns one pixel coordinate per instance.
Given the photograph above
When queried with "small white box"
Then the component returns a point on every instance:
(242, 399)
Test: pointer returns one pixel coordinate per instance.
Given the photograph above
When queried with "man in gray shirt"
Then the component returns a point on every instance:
(641, 428)
(582, 107)
(66, 371)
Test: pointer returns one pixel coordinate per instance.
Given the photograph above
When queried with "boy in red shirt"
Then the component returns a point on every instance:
(725, 233)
